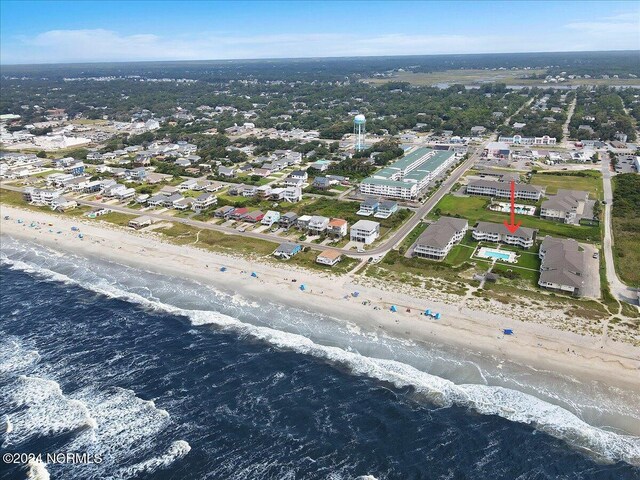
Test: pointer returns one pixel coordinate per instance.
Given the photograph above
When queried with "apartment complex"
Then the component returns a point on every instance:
(562, 265)
(490, 188)
(565, 206)
(497, 232)
(439, 237)
(406, 177)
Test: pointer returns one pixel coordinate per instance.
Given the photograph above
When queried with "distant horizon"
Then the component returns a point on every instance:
(63, 31)
(266, 59)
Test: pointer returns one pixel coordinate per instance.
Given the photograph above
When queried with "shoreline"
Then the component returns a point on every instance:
(535, 345)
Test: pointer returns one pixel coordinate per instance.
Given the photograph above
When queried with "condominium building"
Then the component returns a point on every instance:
(406, 177)
(490, 188)
(498, 233)
(566, 206)
(439, 237)
(562, 265)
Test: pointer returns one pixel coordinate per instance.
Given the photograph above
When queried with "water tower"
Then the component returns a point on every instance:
(358, 130)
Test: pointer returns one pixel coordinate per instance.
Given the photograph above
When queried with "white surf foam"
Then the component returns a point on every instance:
(37, 470)
(176, 451)
(491, 400)
(41, 409)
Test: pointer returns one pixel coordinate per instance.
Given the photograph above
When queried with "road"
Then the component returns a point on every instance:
(618, 289)
(565, 127)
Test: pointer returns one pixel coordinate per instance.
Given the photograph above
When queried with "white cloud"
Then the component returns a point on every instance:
(107, 45)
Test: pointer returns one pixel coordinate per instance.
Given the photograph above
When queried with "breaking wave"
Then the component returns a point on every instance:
(510, 404)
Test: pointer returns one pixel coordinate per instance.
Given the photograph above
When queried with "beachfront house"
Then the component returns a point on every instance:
(287, 250)
(62, 204)
(498, 233)
(329, 257)
(140, 222)
(364, 231)
(439, 238)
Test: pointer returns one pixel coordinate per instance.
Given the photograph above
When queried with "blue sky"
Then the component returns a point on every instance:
(80, 31)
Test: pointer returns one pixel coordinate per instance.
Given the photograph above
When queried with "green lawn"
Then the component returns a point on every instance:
(588, 181)
(118, 218)
(475, 209)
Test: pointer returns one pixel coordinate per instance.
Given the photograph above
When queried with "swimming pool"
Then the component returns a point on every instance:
(497, 254)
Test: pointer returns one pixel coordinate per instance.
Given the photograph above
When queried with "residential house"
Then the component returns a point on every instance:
(320, 165)
(227, 171)
(189, 184)
(498, 233)
(171, 200)
(62, 204)
(562, 265)
(288, 220)
(184, 203)
(365, 231)
(318, 225)
(329, 257)
(386, 208)
(224, 212)
(321, 183)
(439, 237)
(204, 200)
(299, 175)
(270, 218)
(238, 213)
(156, 200)
(140, 222)
(253, 217)
(41, 196)
(287, 250)
(368, 207)
(337, 228)
(302, 222)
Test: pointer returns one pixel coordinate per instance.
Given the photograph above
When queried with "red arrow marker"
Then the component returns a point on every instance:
(513, 226)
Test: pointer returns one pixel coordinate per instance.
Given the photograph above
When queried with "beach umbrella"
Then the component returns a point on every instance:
(254, 274)
(437, 316)
(427, 312)
(393, 308)
(507, 331)
(355, 294)
(223, 269)
(80, 236)
(302, 287)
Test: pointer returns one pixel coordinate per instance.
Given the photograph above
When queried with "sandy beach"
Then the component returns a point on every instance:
(537, 345)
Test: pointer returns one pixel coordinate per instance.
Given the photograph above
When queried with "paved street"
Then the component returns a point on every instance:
(618, 289)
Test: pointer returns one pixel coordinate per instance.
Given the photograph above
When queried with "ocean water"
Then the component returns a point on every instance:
(170, 379)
